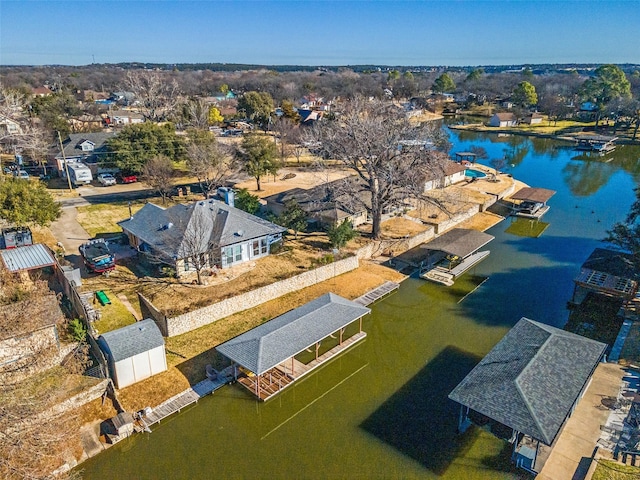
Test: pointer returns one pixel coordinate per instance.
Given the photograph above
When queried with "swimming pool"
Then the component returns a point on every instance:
(470, 172)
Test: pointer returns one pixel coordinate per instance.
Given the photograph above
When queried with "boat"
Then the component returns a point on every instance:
(531, 202)
(452, 254)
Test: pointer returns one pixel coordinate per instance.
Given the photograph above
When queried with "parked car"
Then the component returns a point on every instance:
(127, 178)
(21, 174)
(106, 179)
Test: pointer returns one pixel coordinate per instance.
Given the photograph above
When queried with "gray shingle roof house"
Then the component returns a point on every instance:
(503, 119)
(225, 235)
(134, 352)
(83, 147)
(268, 350)
(328, 204)
(531, 380)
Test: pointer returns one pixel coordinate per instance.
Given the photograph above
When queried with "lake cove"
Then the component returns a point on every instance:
(381, 410)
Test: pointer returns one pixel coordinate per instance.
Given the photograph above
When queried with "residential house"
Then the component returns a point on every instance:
(504, 119)
(223, 236)
(326, 205)
(43, 91)
(534, 118)
(134, 352)
(124, 117)
(8, 126)
(451, 172)
(529, 384)
(88, 148)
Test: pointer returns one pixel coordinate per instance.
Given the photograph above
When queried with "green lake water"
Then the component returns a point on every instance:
(381, 410)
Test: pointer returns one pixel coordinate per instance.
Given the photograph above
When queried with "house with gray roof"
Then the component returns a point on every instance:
(204, 233)
(134, 352)
(83, 148)
(530, 383)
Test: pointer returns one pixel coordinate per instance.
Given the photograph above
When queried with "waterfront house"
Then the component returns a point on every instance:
(450, 173)
(219, 234)
(134, 352)
(527, 387)
(504, 119)
(326, 205)
(534, 118)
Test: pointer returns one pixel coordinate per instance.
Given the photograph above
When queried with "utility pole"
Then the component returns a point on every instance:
(66, 167)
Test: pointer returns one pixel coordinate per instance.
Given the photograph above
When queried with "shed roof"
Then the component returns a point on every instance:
(264, 347)
(460, 241)
(133, 339)
(531, 379)
(529, 194)
(505, 116)
(28, 257)
(611, 272)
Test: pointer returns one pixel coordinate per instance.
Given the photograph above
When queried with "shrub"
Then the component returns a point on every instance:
(77, 330)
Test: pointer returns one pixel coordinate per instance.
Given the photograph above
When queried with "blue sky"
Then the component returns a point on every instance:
(320, 32)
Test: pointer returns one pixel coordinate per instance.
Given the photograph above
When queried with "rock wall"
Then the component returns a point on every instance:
(82, 398)
(204, 316)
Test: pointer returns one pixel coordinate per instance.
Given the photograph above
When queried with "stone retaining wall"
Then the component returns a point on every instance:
(191, 320)
(82, 398)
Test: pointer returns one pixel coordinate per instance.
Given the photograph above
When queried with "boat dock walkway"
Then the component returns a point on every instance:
(377, 293)
(180, 401)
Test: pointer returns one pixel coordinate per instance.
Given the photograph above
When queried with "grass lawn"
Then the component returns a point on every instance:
(112, 316)
(610, 470)
(101, 219)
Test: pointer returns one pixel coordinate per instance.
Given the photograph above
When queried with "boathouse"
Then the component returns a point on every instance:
(599, 144)
(134, 352)
(272, 356)
(527, 386)
(607, 272)
(531, 202)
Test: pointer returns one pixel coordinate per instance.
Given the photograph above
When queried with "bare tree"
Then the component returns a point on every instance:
(157, 97)
(196, 113)
(158, 174)
(391, 157)
(195, 248)
(212, 163)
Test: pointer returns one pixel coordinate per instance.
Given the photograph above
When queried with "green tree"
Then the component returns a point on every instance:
(444, 83)
(55, 111)
(257, 106)
(136, 144)
(340, 234)
(77, 330)
(259, 156)
(293, 217)
(24, 202)
(525, 95)
(246, 201)
(393, 75)
(475, 75)
(289, 111)
(626, 235)
(608, 83)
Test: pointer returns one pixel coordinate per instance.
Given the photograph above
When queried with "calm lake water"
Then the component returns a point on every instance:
(381, 409)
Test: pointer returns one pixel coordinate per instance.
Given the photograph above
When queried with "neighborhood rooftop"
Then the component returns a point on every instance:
(28, 257)
(531, 379)
(268, 345)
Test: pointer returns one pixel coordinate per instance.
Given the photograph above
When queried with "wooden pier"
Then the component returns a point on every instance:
(180, 401)
(377, 293)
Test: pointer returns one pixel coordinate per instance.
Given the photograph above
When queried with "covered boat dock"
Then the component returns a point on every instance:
(532, 202)
(599, 144)
(466, 157)
(271, 357)
(527, 387)
(454, 252)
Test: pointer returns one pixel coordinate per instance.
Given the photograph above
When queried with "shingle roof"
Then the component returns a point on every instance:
(533, 194)
(133, 339)
(180, 230)
(264, 347)
(612, 262)
(505, 116)
(460, 241)
(531, 379)
(72, 143)
(27, 257)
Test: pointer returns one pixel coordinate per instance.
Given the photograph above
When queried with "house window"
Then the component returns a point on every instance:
(259, 247)
(187, 266)
(233, 254)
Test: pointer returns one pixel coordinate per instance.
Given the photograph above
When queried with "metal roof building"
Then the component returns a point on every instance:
(28, 257)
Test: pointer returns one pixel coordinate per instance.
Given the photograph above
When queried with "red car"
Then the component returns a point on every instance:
(127, 178)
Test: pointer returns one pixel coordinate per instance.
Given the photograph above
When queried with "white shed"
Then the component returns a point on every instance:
(134, 352)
